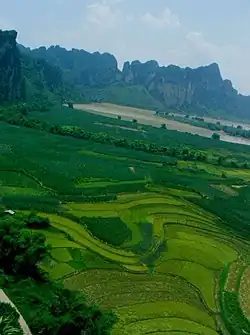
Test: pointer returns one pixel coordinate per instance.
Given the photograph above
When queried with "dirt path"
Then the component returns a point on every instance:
(23, 324)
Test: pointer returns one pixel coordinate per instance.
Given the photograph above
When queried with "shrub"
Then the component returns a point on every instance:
(20, 250)
(51, 310)
(216, 136)
(9, 324)
(110, 230)
(37, 222)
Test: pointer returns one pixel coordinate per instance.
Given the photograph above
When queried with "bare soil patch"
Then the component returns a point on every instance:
(148, 117)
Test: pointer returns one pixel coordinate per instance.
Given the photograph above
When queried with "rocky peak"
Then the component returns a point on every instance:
(11, 85)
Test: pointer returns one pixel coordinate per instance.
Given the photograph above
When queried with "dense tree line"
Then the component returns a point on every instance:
(47, 308)
(181, 152)
(200, 122)
(77, 132)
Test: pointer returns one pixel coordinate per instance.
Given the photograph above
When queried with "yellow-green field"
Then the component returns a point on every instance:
(165, 279)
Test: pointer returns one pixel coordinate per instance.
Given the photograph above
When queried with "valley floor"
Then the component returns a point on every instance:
(149, 118)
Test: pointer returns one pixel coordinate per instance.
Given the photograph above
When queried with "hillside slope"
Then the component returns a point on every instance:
(55, 73)
(29, 78)
(202, 90)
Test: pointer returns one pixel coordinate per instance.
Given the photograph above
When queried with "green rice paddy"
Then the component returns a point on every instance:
(161, 254)
(170, 286)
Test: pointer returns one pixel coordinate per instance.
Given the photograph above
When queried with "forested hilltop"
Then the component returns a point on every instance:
(54, 72)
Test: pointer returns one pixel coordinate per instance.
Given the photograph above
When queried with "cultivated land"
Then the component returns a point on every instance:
(148, 117)
(164, 244)
(222, 121)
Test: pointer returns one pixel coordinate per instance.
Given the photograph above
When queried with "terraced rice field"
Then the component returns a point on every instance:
(244, 292)
(164, 279)
(234, 297)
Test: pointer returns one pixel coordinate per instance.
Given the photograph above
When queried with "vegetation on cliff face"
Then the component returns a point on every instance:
(200, 90)
(27, 78)
(55, 73)
(11, 84)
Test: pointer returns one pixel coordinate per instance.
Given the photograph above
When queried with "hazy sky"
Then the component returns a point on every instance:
(182, 32)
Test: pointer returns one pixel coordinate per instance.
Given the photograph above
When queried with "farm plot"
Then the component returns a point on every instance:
(199, 276)
(17, 183)
(82, 237)
(233, 298)
(196, 258)
(169, 325)
(196, 252)
(244, 293)
(161, 279)
(162, 309)
(116, 289)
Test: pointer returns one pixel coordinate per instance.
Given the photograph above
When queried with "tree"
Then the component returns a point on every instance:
(37, 222)
(245, 165)
(50, 309)
(47, 307)
(163, 126)
(134, 121)
(20, 249)
(216, 136)
(70, 104)
(119, 117)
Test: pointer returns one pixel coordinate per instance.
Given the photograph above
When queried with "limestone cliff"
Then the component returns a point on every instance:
(201, 90)
(11, 83)
(198, 90)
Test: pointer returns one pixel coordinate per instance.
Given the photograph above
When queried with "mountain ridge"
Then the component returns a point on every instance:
(201, 90)
(96, 77)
